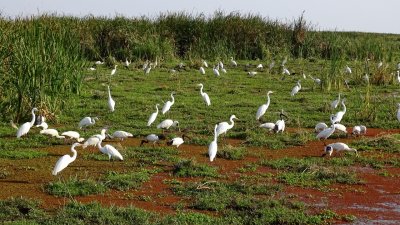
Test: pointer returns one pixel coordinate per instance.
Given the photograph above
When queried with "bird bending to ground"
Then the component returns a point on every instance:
(213, 147)
(323, 135)
(320, 127)
(93, 140)
(110, 151)
(269, 126)
(65, 160)
(263, 108)
(51, 132)
(87, 121)
(204, 95)
(177, 141)
(152, 138)
(338, 146)
(120, 134)
(168, 104)
(73, 135)
(166, 124)
(24, 128)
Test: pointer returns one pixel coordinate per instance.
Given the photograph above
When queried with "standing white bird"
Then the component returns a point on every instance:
(120, 134)
(204, 95)
(94, 139)
(320, 127)
(168, 104)
(73, 135)
(296, 88)
(398, 76)
(323, 135)
(213, 147)
(223, 127)
(153, 116)
(166, 124)
(260, 66)
(263, 108)
(87, 121)
(335, 102)
(51, 132)
(111, 102)
(204, 63)
(110, 151)
(316, 80)
(223, 70)
(24, 128)
(348, 69)
(280, 124)
(233, 62)
(202, 70)
(126, 63)
(285, 71)
(338, 146)
(65, 160)
(220, 65)
(339, 115)
(113, 71)
(215, 71)
(398, 112)
(153, 138)
(177, 141)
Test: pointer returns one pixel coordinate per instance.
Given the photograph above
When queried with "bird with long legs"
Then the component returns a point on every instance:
(153, 116)
(65, 160)
(168, 104)
(24, 128)
(213, 147)
(263, 108)
(204, 95)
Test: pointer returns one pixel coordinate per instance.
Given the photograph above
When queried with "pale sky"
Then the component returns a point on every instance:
(342, 15)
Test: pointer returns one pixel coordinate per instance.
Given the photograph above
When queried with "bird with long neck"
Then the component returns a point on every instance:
(168, 104)
(65, 160)
(263, 108)
(339, 115)
(153, 116)
(223, 127)
(204, 95)
(24, 129)
(111, 102)
(213, 147)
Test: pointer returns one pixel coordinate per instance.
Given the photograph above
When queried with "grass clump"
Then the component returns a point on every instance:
(232, 153)
(190, 168)
(385, 143)
(152, 156)
(75, 187)
(20, 209)
(277, 141)
(126, 181)
(21, 154)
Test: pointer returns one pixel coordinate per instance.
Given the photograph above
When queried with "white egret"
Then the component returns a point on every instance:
(99, 63)
(223, 70)
(93, 140)
(51, 132)
(213, 147)
(398, 76)
(177, 141)
(251, 73)
(296, 88)
(120, 134)
(339, 115)
(335, 102)
(73, 135)
(280, 124)
(340, 127)
(111, 102)
(363, 129)
(92, 68)
(286, 71)
(223, 127)
(263, 108)
(147, 70)
(202, 71)
(320, 127)
(233, 62)
(113, 71)
(259, 66)
(348, 69)
(110, 151)
(338, 146)
(204, 95)
(65, 160)
(215, 71)
(145, 65)
(269, 126)
(24, 128)
(126, 63)
(380, 64)
(153, 116)
(398, 66)
(153, 138)
(87, 121)
(356, 130)
(220, 65)
(168, 104)
(166, 124)
(323, 135)
(204, 63)
(316, 80)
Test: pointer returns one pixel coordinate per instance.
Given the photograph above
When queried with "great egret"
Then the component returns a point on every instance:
(126, 63)
(153, 116)
(93, 140)
(233, 62)
(166, 124)
(380, 64)
(316, 80)
(202, 71)
(120, 134)
(340, 127)
(113, 71)
(110, 151)
(153, 138)
(65, 160)
(251, 73)
(323, 135)
(263, 108)
(269, 126)
(99, 63)
(74, 135)
(111, 102)
(296, 88)
(348, 69)
(398, 111)
(215, 71)
(24, 128)
(339, 115)
(338, 146)
(335, 102)
(177, 141)
(280, 124)
(223, 127)
(213, 147)
(87, 121)
(320, 127)
(168, 104)
(398, 76)
(259, 66)
(51, 132)
(285, 71)
(204, 63)
(223, 70)
(220, 65)
(356, 130)
(204, 95)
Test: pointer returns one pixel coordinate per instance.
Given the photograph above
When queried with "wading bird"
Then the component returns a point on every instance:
(202, 70)
(126, 63)
(24, 128)
(213, 147)
(52, 132)
(87, 121)
(296, 88)
(263, 108)
(223, 127)
(113, 71)
(111, 102)
(316, 80)
(251, 73)
(215, 71)
(340, 127)
(204, 63)
(177, 141)
(268, 126)
(323, 135)
(110, 151)
(73, 135)
(339, 115)
(152, 138)
(335, 102)
(204, 95)
(166, 124)
(280, 124)
(65, 160)
(168, 104)
(338, 146)
(120, 134)
(93, 140)
(153, 116)
(233, 62)
(285, 71)
(320, 127)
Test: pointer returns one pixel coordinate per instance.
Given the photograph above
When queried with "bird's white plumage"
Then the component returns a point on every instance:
(269, 126)
(95, 139)
(296, 89)
(166, 124)
(216, 72)
(320, 127)
(340, 127)
(73, 134)
(65, 160)
(338, 146)
(263, 108)
(335, 103)
(153, 116)
(279, 126)
(213, 147)
(223, 127)
(356, 130)
(24, 128)
(204, 95)
(339, 115)
(326, 132)
(110, 151)
(51, 132)
(348, 69)
(168, 104)
(251, 73)
(121, 135)
(202, 70)
(259, 66)
(316, 80)
(286, 71)
(204, 63)
(398, 112)
(113, 71)
(87, 121)
(111, 102)
(233, 62)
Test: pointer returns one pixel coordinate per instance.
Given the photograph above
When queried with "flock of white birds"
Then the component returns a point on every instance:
(322, 129)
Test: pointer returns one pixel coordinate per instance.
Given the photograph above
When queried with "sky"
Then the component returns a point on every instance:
(340, 15)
